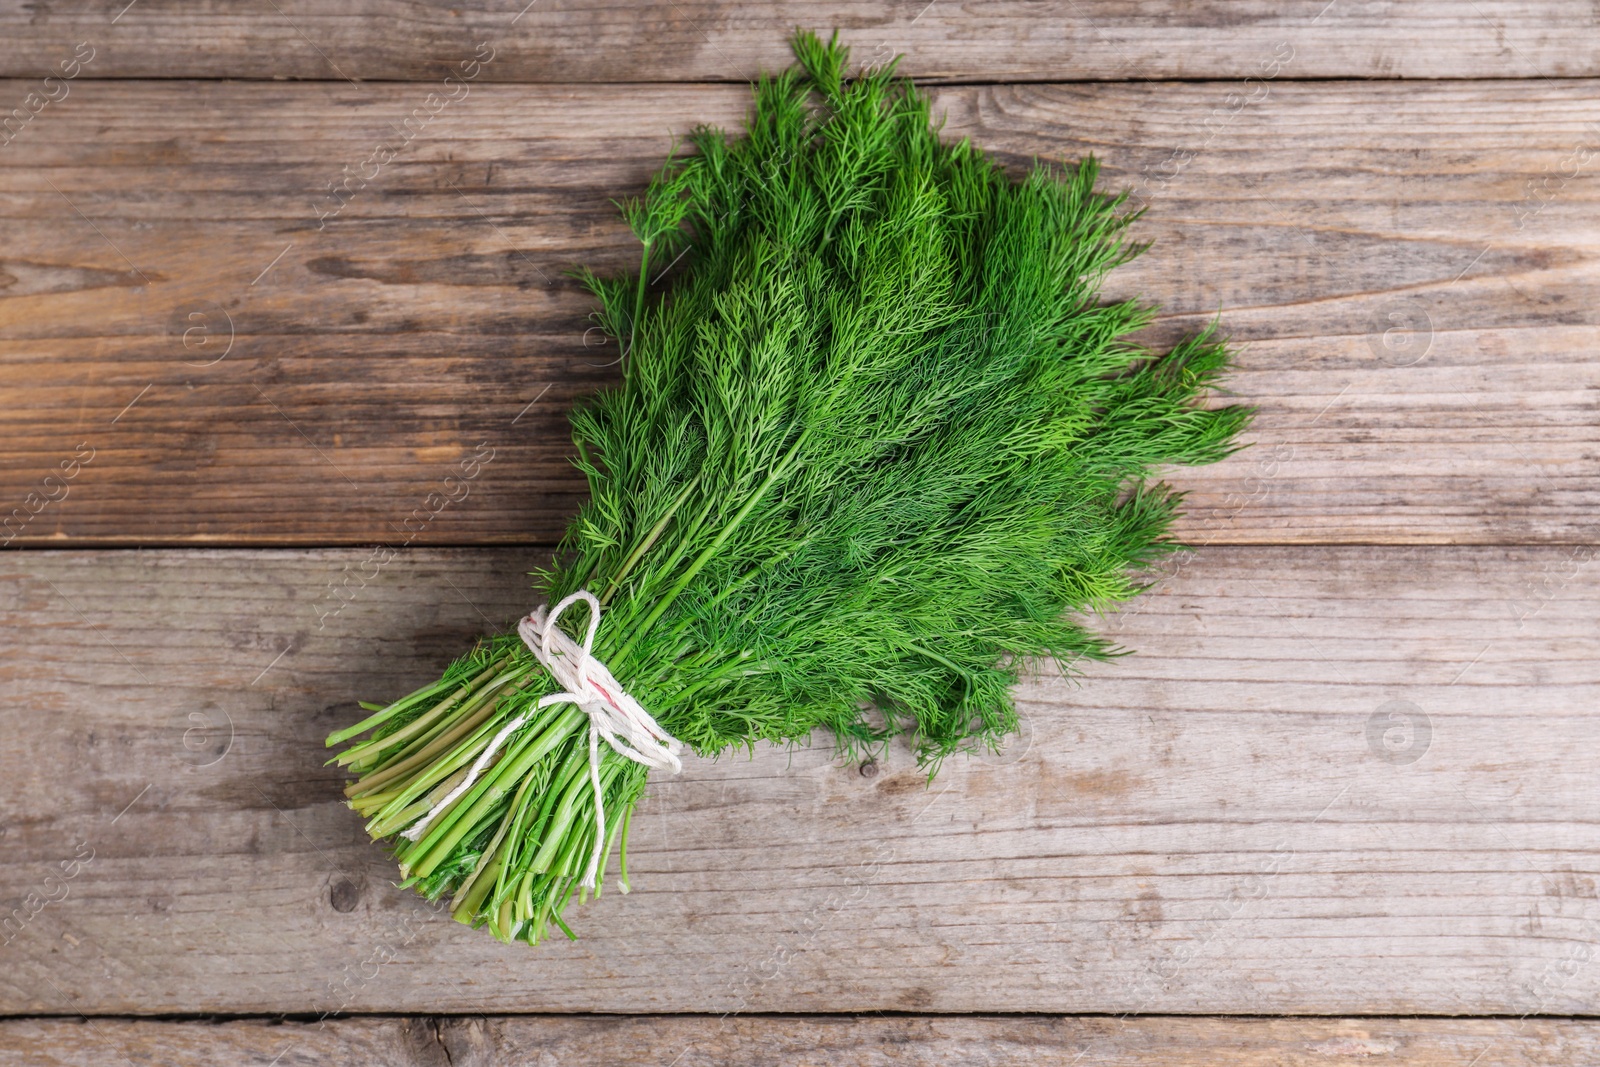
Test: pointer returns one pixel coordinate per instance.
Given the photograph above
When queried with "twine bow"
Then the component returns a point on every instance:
(613, 715)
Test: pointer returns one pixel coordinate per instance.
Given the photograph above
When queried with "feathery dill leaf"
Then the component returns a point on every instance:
(878, 444)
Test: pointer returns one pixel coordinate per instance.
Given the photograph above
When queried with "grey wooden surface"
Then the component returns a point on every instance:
(1416, 331)
(1331, 780)
(566, 42)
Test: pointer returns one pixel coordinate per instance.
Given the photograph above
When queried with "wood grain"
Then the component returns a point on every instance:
(777, 1041)
(685, 40)
(1418, 317)
(1336, 780)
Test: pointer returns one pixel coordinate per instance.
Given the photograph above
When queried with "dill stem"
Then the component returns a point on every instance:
(649, 540)
(739, 665)
(421, 723)
(525, 895)
(638, 302)
(515, 817)
(779, 470)
(386, 713)
(622, 851)
(448, 765)
(555, 838)
(664, 568)
(471, 717)
(492, 866)
(439, 841)
(733, 588)
(919, 650)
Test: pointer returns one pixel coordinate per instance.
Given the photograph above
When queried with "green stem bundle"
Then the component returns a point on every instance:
(878, 445)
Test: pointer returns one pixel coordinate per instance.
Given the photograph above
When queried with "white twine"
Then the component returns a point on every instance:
(613, 715)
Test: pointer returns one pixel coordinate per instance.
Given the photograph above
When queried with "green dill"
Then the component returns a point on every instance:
(878, 444)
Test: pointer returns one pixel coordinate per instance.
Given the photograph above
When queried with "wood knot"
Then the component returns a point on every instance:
(343, 895)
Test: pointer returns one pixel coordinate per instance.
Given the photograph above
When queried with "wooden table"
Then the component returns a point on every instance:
(267, 281)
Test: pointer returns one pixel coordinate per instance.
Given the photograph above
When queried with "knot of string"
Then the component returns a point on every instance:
(614, 715)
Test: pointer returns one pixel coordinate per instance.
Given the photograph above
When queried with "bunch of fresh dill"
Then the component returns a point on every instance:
(877, 445)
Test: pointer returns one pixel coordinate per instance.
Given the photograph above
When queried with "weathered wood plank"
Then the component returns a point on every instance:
(699, 41)
(807, 1041)
(1419, 320)
(1334, 780)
